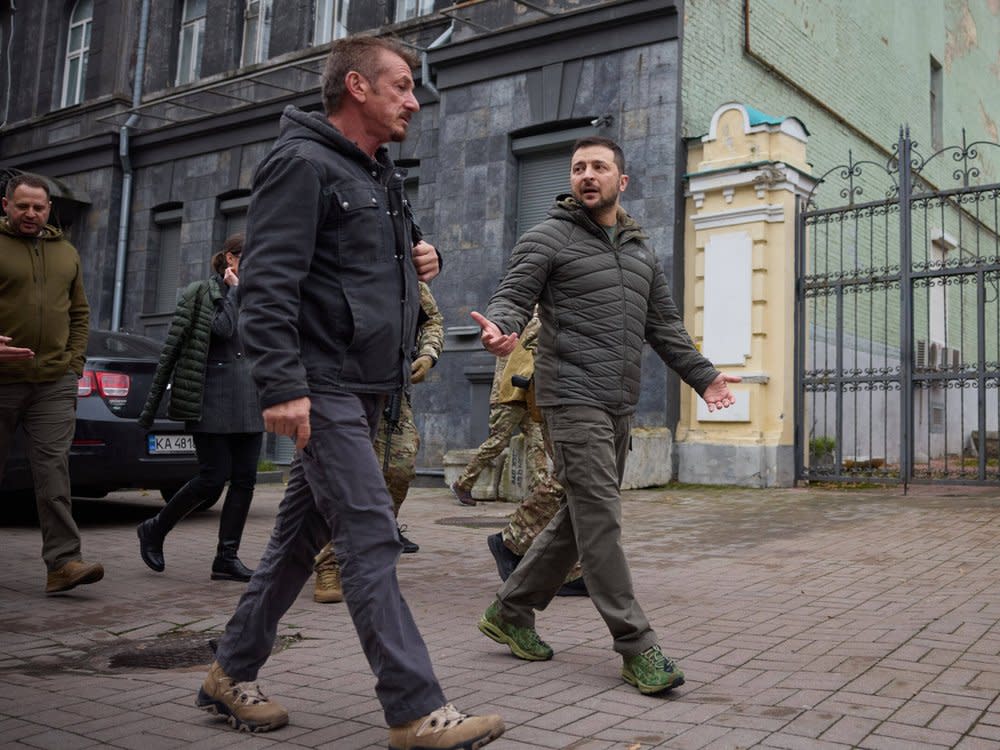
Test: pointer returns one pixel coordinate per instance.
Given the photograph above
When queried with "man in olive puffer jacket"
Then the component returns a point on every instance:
(43, 314)
(600, 293)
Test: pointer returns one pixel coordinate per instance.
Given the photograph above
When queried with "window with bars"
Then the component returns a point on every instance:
(234, 213)
(77, 51)
(331, 20)
(168, 240)
(257, 30)
(192, 39)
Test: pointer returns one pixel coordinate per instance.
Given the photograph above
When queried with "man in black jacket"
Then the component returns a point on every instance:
(328, 317)
(600, 294)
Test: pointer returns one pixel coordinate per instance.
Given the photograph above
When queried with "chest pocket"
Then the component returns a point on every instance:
(364, 227)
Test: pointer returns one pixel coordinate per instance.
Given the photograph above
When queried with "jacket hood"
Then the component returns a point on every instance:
(48, 232)
(297, 124)
(569, 208)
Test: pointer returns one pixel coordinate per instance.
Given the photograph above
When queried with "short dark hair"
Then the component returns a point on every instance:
(234, 245)
(600, 140)
(360, 54)
(30, 180)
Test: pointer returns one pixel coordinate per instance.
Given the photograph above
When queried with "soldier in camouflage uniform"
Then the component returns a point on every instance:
(507, 413)
(400, 468)
(545, 493)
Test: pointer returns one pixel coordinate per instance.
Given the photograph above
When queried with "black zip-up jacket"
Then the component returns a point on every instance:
(598, 301)
(328, 291)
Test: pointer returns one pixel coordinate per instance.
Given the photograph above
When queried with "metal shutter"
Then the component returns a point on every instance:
(542, 175)
(284, 450)
(168, 270)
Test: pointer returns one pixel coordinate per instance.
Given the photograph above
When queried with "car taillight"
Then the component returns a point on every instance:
(86, 385)
(113, 387)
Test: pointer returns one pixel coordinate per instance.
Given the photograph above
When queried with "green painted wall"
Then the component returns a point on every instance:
(852, 70)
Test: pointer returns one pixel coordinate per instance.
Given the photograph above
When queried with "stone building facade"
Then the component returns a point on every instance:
(150, 118)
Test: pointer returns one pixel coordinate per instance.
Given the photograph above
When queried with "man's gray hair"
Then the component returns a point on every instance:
(361, 55)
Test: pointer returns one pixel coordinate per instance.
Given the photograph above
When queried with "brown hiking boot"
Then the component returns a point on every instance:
(446, 729)
(72, 574)
(242, 703)
(328, 589)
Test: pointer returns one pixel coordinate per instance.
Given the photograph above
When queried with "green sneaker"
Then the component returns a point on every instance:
(524, 643)
(651, 671)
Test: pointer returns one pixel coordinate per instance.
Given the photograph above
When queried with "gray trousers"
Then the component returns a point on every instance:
(589, 449)
(336, 490)
(47, 413)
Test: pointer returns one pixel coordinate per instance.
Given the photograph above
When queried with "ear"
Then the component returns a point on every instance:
(622, 183)
(356, 85)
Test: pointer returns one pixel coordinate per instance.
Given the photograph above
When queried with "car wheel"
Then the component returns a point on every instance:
(168, 492)
(91, 492)
(206, 505)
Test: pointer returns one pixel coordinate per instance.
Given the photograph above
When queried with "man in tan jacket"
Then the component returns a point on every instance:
(44, 322)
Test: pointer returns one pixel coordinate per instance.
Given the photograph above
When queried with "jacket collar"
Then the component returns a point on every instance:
(48, 232)
(570, 208)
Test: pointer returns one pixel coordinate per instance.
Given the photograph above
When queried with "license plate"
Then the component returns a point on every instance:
(171, 444)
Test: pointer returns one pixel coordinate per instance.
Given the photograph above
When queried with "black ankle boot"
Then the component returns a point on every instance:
(227, 566)
(150, 545)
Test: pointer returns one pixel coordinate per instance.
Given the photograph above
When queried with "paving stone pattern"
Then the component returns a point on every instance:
(804, 618)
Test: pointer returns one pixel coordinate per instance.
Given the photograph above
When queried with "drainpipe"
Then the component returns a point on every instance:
(425, 67)
(125, 207)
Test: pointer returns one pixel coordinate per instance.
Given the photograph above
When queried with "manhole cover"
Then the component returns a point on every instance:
(176, 650)
(168, 652)
(478, 522)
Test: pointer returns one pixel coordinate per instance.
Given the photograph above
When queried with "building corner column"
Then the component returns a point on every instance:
(744, 179)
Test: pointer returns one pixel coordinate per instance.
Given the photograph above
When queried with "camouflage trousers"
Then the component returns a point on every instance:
(401, 468)
(504, 419)
(537, 509)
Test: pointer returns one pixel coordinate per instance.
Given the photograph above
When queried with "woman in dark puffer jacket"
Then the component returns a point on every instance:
(213, 392)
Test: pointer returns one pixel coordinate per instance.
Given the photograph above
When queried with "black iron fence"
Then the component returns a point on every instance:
(898, 320)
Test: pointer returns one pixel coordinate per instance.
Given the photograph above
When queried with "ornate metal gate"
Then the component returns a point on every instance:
(897, 352)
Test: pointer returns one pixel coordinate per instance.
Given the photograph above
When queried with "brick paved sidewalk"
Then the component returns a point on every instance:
(802, 618)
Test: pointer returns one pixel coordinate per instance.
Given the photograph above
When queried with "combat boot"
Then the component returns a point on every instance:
(409, 546)
(72, 574)
(463, 495)
(505, 559)
(242, 704)
(328, 589)
(446, 729)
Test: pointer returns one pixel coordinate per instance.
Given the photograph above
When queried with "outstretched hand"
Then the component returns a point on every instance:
(11, 353)
(495, 342)
(718, 395)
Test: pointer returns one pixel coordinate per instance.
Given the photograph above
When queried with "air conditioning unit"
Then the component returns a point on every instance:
(920, 347)
(934, 351)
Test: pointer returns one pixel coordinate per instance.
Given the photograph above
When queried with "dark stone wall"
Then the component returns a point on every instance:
(461, 142)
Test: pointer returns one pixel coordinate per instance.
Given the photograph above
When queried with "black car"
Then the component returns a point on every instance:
(110, 450)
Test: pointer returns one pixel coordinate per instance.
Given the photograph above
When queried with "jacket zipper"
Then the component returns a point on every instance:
(400, 259)
(621, 287)
(40, 291)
